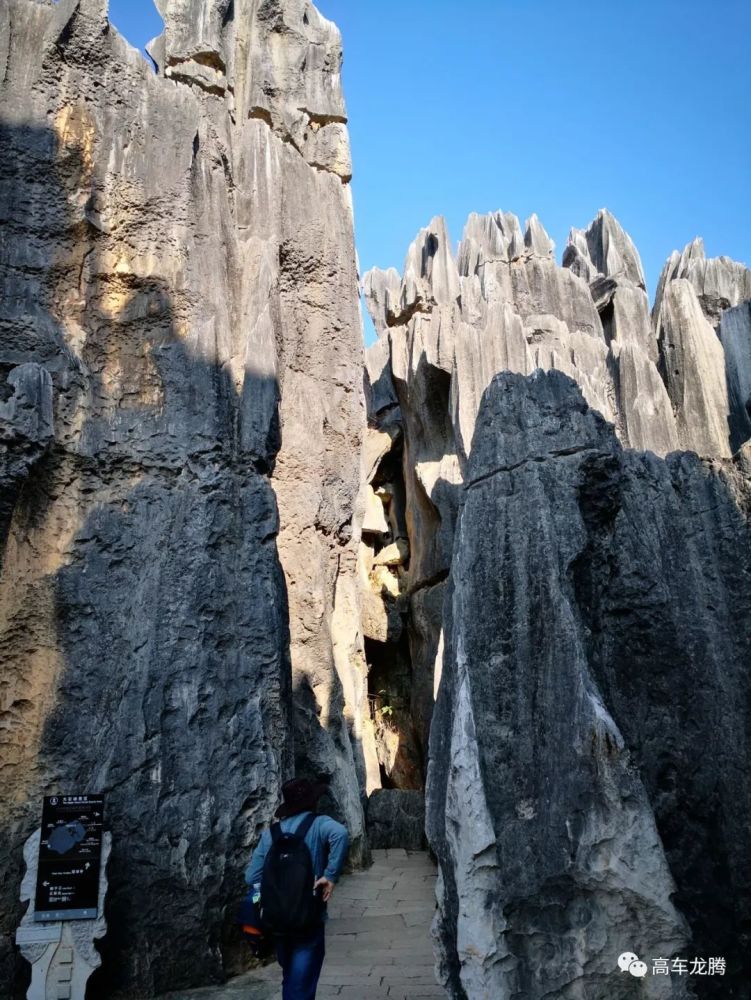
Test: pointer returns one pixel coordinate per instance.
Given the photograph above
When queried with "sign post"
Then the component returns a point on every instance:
(65, 885)
(70, 854)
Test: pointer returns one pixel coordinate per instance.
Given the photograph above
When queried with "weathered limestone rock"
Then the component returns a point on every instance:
(605, 249)
(706, 377)
(395, 554)
(374, 519)
(184, 476)
(396, 818)
(720, 283)
(605, 256)
(178, 298)
(449, 326)
(504, 304)
(569, 810)
(694, 369)
(382, 291)
(735, 337)
(25, 432)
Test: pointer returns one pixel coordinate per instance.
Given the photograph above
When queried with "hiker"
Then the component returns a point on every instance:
(291, 879)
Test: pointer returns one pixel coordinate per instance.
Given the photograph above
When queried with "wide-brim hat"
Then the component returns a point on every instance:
(300, 795)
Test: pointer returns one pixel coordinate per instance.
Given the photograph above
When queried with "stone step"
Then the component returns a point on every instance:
(378, 944)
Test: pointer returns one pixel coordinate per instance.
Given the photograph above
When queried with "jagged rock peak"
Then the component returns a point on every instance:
(430, 275)
(489, 238)
(702, 331)
(497, 238)
(230, 49)
(508, 304)
(719, 282)
(604, 248)
(381, 290)
(536, 239)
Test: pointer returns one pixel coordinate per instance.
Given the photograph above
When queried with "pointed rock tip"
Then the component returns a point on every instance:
(437, 229)
(606, 218)
(536, 236)
(437, 225)
(695, 248)
(380, 276)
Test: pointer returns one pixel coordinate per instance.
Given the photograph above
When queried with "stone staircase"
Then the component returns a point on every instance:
(378, 944)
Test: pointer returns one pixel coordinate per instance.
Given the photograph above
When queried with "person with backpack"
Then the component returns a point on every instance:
(291, 876)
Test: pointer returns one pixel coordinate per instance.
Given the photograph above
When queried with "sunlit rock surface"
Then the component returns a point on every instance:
(703, 336)
(680, 379)
(204, 551)
(182, 411)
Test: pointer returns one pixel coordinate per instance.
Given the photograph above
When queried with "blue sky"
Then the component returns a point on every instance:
(642, 106)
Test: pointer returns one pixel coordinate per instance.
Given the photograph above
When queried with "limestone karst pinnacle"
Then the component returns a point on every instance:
(178, 602)
(234, 545)
(555, 564)
(589, 318)
(568, 800)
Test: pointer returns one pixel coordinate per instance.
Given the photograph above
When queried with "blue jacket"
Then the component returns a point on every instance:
(327, 841)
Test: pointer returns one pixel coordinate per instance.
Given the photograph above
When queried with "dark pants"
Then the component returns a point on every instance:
(301, 960)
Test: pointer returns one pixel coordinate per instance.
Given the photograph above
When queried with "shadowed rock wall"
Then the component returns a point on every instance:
(586, 791)
(180, 369)
(182, 577)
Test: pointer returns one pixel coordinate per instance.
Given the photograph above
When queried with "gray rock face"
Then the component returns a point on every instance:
(694, 367)
(605, 249)
(178, 300)
(571, 813)
(704, 358)
(25, 432)
(449, 325)
(735, 337)
(396, 818)
(720, 283)
(667, 382)
(605, 256)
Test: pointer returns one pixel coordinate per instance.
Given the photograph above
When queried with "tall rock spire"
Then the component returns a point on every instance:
(178, 603)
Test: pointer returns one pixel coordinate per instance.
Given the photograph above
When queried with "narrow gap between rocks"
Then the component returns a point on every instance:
(396, 810)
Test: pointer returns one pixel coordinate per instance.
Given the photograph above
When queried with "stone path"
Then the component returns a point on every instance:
(378, 944)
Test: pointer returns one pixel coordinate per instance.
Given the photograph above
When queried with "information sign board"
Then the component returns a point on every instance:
(70, 851)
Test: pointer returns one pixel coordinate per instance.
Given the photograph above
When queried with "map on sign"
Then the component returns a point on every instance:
(70, 852)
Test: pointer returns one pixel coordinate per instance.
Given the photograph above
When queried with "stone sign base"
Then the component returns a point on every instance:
(61, 953)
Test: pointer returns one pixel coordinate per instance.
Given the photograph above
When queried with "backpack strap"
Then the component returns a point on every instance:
(306, 824)
(301, 831)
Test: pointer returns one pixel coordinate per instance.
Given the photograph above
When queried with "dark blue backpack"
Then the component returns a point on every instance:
(289, 906)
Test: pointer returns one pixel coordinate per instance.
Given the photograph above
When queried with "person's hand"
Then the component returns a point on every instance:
(328, 888)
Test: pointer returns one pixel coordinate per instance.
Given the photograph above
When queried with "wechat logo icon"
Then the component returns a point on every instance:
(629, 962)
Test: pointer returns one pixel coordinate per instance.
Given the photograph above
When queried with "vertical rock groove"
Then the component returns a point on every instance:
(591, 631)
(180, 361)
(490, 578)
